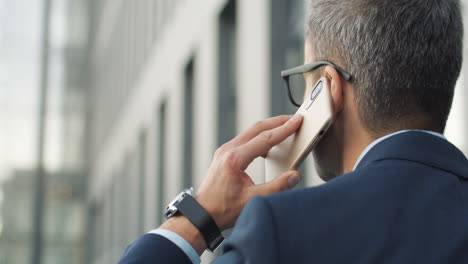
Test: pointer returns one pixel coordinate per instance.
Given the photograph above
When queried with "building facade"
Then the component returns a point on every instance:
(171, 80)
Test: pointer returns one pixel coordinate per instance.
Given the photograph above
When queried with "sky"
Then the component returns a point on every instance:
(20, 47)
(19, 78)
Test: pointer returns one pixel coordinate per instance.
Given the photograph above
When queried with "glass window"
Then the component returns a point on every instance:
(287, 40)
(125, 209)
(227, 100)
(97, 231)
(188, 125)
(142, 181)
(161, 156)
(115, 249)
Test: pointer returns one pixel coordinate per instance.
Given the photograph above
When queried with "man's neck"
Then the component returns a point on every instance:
(354, 146)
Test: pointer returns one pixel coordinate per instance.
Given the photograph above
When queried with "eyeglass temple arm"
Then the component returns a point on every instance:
(308, 67)
(286, 83)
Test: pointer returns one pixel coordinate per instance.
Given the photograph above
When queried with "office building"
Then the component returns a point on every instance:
(170, 81)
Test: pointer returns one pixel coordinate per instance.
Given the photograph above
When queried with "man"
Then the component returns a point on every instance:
(402, 196)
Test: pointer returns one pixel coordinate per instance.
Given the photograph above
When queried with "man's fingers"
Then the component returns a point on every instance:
(257, 128)
(285, 181)
(263, 142)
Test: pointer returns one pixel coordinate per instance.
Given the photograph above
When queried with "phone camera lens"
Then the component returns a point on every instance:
(316, 91)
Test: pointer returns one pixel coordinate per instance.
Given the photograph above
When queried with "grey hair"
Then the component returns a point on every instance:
(405, 55)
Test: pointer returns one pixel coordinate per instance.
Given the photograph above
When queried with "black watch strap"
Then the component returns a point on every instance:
(202, 220)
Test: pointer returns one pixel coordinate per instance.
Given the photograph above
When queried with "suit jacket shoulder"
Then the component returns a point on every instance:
(254, 238)
(406, 203)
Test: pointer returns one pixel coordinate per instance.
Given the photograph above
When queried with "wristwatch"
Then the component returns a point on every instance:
(195, 213)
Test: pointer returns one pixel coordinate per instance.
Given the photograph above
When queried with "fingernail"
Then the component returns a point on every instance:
(295, 118)
(293, 180)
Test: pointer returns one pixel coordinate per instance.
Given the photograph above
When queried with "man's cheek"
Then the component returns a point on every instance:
(325, 159)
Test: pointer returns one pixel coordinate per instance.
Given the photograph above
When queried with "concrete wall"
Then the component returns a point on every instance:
(140, 51)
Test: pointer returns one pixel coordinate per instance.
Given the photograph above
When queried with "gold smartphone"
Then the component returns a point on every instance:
(317, 112)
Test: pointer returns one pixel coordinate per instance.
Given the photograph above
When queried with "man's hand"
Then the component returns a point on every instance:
(227, 188)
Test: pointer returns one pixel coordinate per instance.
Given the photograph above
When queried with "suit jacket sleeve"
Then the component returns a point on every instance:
(254, 238)
(151, 248)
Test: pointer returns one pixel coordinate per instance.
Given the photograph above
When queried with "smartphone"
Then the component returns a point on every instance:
(317, 112)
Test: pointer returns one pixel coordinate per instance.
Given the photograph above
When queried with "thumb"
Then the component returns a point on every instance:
(283, 182)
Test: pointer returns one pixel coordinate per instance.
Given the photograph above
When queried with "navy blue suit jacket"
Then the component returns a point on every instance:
(406, 202)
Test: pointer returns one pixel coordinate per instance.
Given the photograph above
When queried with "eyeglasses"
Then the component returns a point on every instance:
(293, 77)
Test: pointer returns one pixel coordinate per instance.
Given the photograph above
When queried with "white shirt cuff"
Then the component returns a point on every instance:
(180, 242)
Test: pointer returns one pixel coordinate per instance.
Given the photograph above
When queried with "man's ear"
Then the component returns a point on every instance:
(336, 88)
